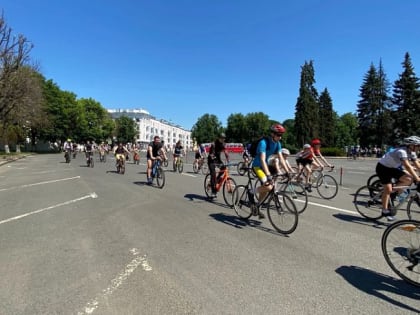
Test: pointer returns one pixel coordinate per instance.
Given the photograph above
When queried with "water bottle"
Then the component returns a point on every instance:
(402, 196)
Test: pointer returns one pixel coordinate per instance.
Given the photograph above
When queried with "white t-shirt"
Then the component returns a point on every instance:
(392, 159)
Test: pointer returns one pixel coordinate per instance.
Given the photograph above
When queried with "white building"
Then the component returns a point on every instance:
(148, 127)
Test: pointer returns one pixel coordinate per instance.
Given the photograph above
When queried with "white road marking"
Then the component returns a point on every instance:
(115, 283)
(40, 183)
(92, 195)
(333, 208)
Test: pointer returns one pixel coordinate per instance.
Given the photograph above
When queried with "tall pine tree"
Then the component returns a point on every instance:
(307, 108)
(406, 101)
(326, 119)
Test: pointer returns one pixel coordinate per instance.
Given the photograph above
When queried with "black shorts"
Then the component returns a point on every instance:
(197, 156)
(304, 162)
(386, 174)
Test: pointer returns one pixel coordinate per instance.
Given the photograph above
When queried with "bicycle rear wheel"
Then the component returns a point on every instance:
(228, 188)
(413, 208)
(296, 191)
(371, 179)
(282, 213)
(327, 187)
(241, 203)
(240, 168)
(401, 249)
(368, 203)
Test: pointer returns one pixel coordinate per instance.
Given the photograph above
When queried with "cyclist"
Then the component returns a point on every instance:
(88, 151)
(200, 153)
(155, 151)
(178, 150)
(120, 151)
(214, 159)
(67, 147)
(316, 147)
(304, 159)
(246, 155)
(102, 150)
(413, 143)
(285, 153)
(266, 148)
(395, 165)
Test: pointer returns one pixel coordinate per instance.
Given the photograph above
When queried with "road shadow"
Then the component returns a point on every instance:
(193, 197)
(144, 183)
(360, 220)
(237, 222)
(378, 285)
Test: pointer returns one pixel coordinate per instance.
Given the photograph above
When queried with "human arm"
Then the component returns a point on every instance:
(407, 166)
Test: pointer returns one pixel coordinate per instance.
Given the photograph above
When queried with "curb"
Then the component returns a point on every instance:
(12, 159)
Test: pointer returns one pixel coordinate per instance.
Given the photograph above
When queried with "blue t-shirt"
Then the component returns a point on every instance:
(274, 148)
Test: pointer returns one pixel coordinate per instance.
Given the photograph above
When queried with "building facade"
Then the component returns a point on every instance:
(148, 126)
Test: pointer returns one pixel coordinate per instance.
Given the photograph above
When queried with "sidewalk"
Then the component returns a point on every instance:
(4, 159)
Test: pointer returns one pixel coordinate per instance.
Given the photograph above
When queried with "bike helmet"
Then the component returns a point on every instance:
(413, 140)
(277, 128)
(306, 146)
(285, 151)
(316, 142)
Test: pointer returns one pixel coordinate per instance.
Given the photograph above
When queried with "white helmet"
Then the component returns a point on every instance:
(306, 146)
(414, 140)
(285, 151)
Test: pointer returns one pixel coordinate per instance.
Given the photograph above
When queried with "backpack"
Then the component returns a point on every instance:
(254, 145)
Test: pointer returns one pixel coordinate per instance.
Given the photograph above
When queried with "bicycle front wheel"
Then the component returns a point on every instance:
(241, 202)
(413, 208)
(327, 187)
(282, 213)
(207, 185)
(92, 163)
(368, 203)
(297, 192)
(228, 188)
(401, 249)
(180, 166)
(160, 177)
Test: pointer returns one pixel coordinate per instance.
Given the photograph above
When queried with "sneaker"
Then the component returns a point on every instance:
(390, 218)
(261, 215)
(386, 212)
(308, 188)
(149, 181)
(213, 195)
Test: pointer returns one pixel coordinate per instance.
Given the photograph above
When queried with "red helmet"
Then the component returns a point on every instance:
(316, 141)
(278, 128)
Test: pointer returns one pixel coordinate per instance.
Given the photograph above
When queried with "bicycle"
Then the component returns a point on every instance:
(242, 166)
(281, 209)
(89, 159)
(295, 190)
(67, 156)
(121, 165)
(368, 201)
(136, 157)
(178, 164)
(158, 173)
(102, 156)
(326, 185)
(401, 249)
(200, 164)
(223, 181)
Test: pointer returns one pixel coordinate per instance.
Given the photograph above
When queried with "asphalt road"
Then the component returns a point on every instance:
(78, 240)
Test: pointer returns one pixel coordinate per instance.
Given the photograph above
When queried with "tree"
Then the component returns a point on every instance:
(327, 122)
(373, 109)
(125, 129)
(236, 130)
(346, 130)
(207, 128)
(257, 125)
(307, 108)
(406, 101)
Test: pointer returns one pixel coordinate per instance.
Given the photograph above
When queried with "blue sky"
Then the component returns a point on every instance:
(180, 59)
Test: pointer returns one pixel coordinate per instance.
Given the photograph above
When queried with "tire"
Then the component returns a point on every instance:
(160, 177)
(180, 166)
(368, 203)
(207, 185)
(228, 188)
(92, 163)
(371, 179)
(413, 208)
(400, 246)
(195, 167)
(240, 168)
(166, 163)
(241, 203)
(327, 187)
(122, 169)
(297, 192)
(282, 213)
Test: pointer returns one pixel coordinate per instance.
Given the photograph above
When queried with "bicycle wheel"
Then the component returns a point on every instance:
(401, 248)
(240, 168)
(368, 203)
(195, 167)
(282, 213)
(371, 179)
(240, 201)
(180, 166)
(92, 163)
(207, 185)
(315, 176)
(327, 187)
(413, 208)
(160, 177)
(296, 191)
(228, 188)
(122, 169)
(166, 163)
